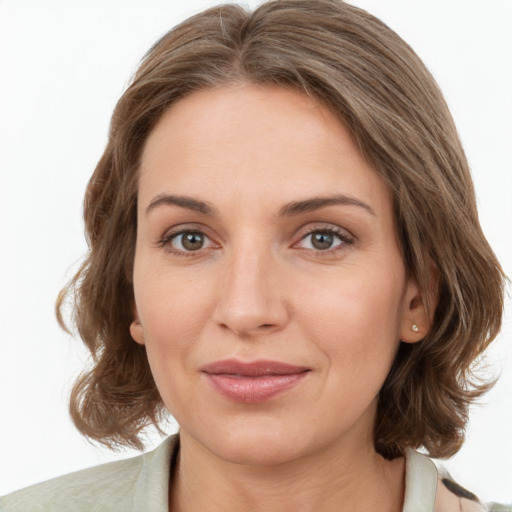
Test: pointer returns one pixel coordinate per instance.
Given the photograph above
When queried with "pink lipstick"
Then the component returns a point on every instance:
(253, 382)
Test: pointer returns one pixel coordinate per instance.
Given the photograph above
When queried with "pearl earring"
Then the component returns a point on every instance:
(415, 328)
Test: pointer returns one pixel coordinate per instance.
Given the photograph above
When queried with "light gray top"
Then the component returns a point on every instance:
(141, 484)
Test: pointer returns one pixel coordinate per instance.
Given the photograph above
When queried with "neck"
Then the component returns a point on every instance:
(335, 479)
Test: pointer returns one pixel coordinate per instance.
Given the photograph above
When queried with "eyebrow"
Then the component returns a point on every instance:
(183, 201)
(315, 203)
(288, 210)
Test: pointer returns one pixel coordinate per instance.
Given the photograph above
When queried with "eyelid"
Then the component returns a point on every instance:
(344, 235)
(177, 236)
(165, 241)
(346, 238)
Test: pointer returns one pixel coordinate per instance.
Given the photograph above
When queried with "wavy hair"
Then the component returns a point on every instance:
(379, 88)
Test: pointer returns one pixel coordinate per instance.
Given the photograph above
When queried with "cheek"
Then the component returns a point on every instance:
(354, 318)
(170, 337)
(172, 305)
(173, 310)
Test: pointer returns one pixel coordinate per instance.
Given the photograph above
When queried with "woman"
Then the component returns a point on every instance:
(279, 232)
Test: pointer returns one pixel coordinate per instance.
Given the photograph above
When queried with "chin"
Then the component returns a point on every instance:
(258, 451)
(259, 445)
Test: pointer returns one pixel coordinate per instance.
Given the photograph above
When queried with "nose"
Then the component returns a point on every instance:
(251, 295)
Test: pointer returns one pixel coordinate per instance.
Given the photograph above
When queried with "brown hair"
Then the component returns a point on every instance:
(380, 89)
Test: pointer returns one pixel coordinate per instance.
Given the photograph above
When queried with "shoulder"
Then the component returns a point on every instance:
(431, 490)
(89, 489)
(452, 496)
(139, 483)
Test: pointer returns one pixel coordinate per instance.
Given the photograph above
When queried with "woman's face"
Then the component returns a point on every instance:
(270, 290)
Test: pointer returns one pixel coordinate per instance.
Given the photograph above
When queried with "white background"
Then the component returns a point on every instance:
(62, 67)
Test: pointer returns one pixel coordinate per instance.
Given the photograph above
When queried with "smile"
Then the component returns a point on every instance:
(253, 382)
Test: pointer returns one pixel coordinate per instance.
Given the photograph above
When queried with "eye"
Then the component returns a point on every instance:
(325, 240)
(186, 241)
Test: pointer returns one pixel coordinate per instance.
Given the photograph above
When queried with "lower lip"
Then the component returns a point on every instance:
(251, 390)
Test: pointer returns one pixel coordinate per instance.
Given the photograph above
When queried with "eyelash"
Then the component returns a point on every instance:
(166, 241)
(342, 235)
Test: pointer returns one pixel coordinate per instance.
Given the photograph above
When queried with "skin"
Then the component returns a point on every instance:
(259, 288)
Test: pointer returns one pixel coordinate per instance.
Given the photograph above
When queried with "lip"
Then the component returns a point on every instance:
(255, 381)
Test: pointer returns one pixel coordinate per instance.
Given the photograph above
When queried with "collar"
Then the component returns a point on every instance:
(420, 482)
(420, 479)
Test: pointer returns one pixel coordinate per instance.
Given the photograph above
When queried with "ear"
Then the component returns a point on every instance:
(415, 323)
(136, 330)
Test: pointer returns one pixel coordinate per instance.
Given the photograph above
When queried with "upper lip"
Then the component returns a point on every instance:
(252, 369)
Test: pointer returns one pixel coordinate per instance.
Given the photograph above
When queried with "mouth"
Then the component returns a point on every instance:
(253, 382)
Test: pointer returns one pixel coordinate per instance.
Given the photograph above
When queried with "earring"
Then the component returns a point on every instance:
(415, 328)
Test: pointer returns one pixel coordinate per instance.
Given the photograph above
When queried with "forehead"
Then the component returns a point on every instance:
(241, 118)
(251, 139)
